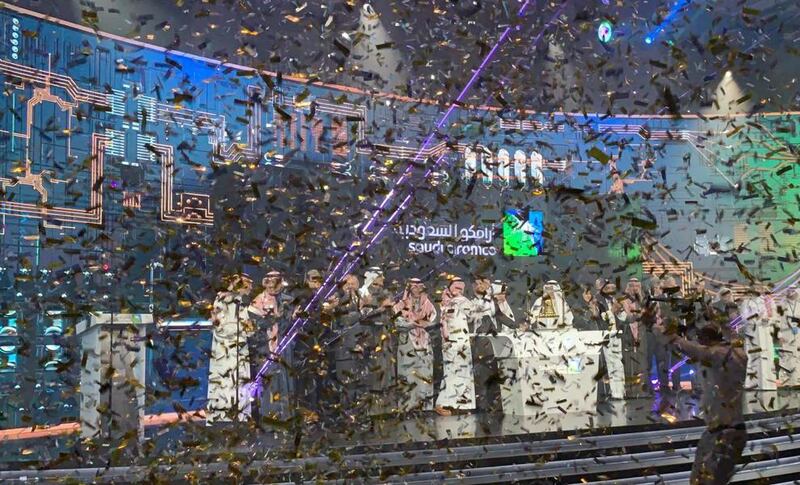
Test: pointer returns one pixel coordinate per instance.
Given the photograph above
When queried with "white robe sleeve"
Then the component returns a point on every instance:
(508, 311)
(219, 317)
(568, 316)
(533, 314)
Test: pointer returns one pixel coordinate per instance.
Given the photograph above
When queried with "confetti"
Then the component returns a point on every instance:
(358, 226)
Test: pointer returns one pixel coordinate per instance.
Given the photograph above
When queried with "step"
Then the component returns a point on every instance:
(586, 466)
(778, 467)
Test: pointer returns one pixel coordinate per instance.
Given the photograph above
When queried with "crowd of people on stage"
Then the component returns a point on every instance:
(373, 348)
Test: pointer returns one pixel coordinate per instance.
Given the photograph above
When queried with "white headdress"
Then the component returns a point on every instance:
(370, 276)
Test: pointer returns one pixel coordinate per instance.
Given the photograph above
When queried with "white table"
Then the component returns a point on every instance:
(550, 371)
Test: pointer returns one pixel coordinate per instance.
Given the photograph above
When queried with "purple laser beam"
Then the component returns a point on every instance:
(447, 114)
(402, 205)
(297, 325)
(299, 322)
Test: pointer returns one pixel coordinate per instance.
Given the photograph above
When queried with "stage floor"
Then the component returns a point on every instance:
(650, 412)
(192, 439)
(429, 430)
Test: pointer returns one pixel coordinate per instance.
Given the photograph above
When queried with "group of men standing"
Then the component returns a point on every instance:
(366, 347)
(345, 348)
(369, 348)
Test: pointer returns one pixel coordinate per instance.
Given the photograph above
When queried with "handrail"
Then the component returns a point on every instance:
(486, 474)
(586, 466)
(505, 450)
(760, 469)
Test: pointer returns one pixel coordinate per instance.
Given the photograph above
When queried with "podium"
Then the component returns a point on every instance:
(758, 344)
(113, 376)
(550, 371)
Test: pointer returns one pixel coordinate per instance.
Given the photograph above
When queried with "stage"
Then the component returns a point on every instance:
(632, 441)
(444, 242)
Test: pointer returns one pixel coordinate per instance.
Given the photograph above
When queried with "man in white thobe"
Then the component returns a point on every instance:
(229, 367)
(482, 318)
(458, 382)
(760, 318)
(551, 310)
(789, 341)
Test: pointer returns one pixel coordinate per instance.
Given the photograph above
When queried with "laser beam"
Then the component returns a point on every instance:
(326, 287)
(673, 12)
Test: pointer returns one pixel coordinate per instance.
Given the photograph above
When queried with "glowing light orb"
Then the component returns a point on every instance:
(605, 31)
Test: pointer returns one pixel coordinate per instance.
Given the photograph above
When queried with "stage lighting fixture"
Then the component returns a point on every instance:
(676, 9)
(605, 31)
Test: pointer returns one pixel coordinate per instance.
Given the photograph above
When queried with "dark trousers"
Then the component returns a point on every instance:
(661, 352)
(486, 375)
(258, 350)
(315, 367)
(634, 359)
(278, 395)
(438, 362)
(380, 370)
(716, 456)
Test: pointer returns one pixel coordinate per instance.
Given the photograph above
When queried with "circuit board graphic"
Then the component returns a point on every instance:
(95, 125)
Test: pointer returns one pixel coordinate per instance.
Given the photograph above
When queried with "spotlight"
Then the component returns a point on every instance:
(671, 15)
(605, 31)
